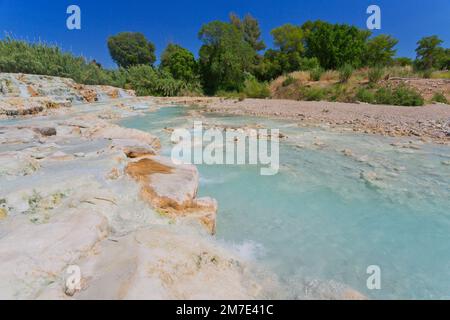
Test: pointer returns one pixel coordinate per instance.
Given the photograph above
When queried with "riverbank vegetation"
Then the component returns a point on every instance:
(314, 61)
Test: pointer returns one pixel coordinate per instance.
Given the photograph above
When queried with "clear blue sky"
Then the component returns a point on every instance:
(180, 20)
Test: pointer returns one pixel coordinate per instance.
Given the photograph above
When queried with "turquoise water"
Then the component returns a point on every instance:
(319, 220)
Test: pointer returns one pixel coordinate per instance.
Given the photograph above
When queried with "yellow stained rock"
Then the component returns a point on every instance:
(3, 214)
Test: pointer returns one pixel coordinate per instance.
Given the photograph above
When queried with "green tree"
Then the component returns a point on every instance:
(335, 45)
(131, 48)
(249, 27)
(446, 60)
(270, 66)
(288, 38)
(403, 61)
(224, 57)
(430, 53)
(380, 50)
(180, 62)
(287, 57)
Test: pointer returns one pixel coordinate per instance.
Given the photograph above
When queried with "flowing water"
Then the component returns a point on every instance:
(321, 219)
(23, 90)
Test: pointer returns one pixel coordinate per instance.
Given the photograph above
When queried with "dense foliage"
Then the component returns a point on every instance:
(431, 54)
(150, 82)
(249, 27)
(380, 50)
(180, 63)
(131, 48)
(224, 57)
(40, 58)
(335, 44)
(399, 96)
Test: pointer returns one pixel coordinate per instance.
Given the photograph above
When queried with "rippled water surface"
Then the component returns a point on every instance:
(321, 218)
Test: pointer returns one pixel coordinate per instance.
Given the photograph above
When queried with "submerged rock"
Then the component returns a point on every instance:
(372, 179)
(347, 152)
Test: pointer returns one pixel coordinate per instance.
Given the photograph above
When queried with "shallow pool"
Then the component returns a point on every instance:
(321, 219)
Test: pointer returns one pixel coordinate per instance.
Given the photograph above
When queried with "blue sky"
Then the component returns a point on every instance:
(180, 20)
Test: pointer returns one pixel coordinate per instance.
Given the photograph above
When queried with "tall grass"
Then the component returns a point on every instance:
(375, 75)
(316, 74)
(39, 58)
(345, 73)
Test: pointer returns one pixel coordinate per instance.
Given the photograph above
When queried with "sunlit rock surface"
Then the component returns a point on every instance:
(71, 194)
(76, 189)
(22, 94)
(173, 189)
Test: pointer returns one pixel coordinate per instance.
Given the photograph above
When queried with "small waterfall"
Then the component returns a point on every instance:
(123, 94)
(23, 90)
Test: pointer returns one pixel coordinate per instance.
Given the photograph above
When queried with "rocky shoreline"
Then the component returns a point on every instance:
(430, 123)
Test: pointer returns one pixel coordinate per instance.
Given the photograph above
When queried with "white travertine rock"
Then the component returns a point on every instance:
(173, 189)
(35, 255)
(115, 132)
(16, 163)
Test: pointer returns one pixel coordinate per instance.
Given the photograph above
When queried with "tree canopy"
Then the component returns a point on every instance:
(335, 45)
(131, 48)
(380, 50)
(180, 62)
(249, 27)
(431, 55)
(225, 56)
(288, 38)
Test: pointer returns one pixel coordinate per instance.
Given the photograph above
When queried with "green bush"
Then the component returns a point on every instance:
(365, 95)
(255, 89)
(345, 73)
(403, 61)
(375, 75)
(313, 93)
(339, 93)
(426, 74)
(440, 98)
(149, 82)
(316, 74)
(307, 64)
(400, 96)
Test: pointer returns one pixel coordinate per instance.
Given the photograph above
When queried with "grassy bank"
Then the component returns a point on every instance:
(40, 58)
(392, 86)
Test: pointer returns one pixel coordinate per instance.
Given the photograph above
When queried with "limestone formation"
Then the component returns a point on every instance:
(172, 189)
